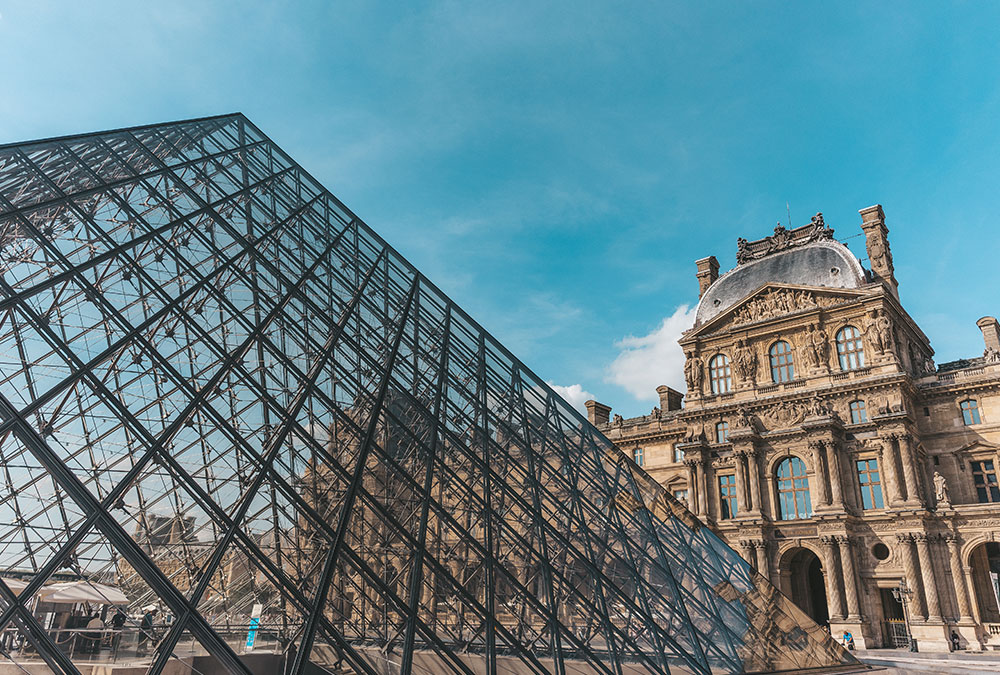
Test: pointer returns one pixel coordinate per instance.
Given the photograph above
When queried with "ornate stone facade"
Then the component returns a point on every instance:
(818, 438)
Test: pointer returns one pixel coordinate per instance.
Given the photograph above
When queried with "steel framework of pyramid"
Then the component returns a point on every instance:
(224, 395)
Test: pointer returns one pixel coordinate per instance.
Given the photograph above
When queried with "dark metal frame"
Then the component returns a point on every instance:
(219, 387)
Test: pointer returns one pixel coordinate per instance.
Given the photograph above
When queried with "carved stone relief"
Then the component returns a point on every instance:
(783, 414)
(778, 302)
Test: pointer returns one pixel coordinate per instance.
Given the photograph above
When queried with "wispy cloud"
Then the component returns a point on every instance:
(574, 394)
(644, 363)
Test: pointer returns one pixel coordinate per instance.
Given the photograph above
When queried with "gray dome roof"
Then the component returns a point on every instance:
(821, 263)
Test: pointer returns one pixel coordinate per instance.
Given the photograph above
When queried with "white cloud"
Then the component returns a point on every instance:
(574, 394)
(644, 363)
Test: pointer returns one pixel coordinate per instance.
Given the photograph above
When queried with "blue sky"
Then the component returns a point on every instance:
(557, 167)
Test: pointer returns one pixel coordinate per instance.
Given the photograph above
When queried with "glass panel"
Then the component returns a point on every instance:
(228, 400)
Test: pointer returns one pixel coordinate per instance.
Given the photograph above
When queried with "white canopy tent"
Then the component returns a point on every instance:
(82, 591)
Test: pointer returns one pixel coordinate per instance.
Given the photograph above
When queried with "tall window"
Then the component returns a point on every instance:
(727, 495)
(640, 456)
(793, 490)
(850, 348)
(984, 477)
(858, 412)
(678, 454)
(970, 411)
(871, 484)
(782, 368)
(722, 432)
(720, 374)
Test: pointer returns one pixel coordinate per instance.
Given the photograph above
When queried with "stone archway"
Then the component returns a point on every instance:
(802, 580)
(984, 559)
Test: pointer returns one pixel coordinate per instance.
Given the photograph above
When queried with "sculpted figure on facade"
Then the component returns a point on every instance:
(775, 303)
(745, 360)
(872, 335)
(885, 331)
(991, 355)
(743, 419)
(879, 254)
(784, 414)
(694, 372)
(821, 345)
(941, 490)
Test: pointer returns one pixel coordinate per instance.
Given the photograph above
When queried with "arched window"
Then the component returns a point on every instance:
(850, 348)
(782, 368)
(793, 490)
(858, 412)
(720, 374)
(970, 411)
(722, 432)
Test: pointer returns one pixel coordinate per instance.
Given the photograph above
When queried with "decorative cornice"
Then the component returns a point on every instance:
(782, 239)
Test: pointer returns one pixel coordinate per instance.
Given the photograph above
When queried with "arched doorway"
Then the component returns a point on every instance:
(985, 563)
(802, 581)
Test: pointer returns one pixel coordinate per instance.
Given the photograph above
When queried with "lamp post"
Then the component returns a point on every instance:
(902, 594)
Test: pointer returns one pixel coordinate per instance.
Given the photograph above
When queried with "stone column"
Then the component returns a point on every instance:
(906, 453)
(836, 475)
(741, 484)
(917, 607)
(958, 578)
(850, 578)
(967, 573)
(746, 549)
(694, 496)
(762, 563)
(702, 490)
(753, 459)
(822, 495)
(927, 573)
(887, 465)
(831, 574)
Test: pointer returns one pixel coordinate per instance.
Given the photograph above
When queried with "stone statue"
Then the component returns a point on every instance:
(811, 353)
(941, 490)
(617, 420)
(884, 325)
(745, 360)
(991, 355)
(872, 335)
(817, 408)
(742, 254)
(694, 372)
(743, 419)
(819, 343)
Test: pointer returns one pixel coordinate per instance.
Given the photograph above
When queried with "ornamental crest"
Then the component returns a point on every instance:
(782, 239)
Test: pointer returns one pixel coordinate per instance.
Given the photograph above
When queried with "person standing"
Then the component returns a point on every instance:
(146, 629)
(94, 634)
(117, 622)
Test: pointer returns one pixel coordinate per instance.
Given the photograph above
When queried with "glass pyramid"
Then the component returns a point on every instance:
(223, 396)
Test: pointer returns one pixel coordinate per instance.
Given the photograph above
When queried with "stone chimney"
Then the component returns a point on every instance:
(991, 332)
(670, 399)
(877, 243)
(708, 272)
(598, 413)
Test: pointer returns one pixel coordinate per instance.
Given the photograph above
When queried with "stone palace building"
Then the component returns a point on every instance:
(818, 438)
